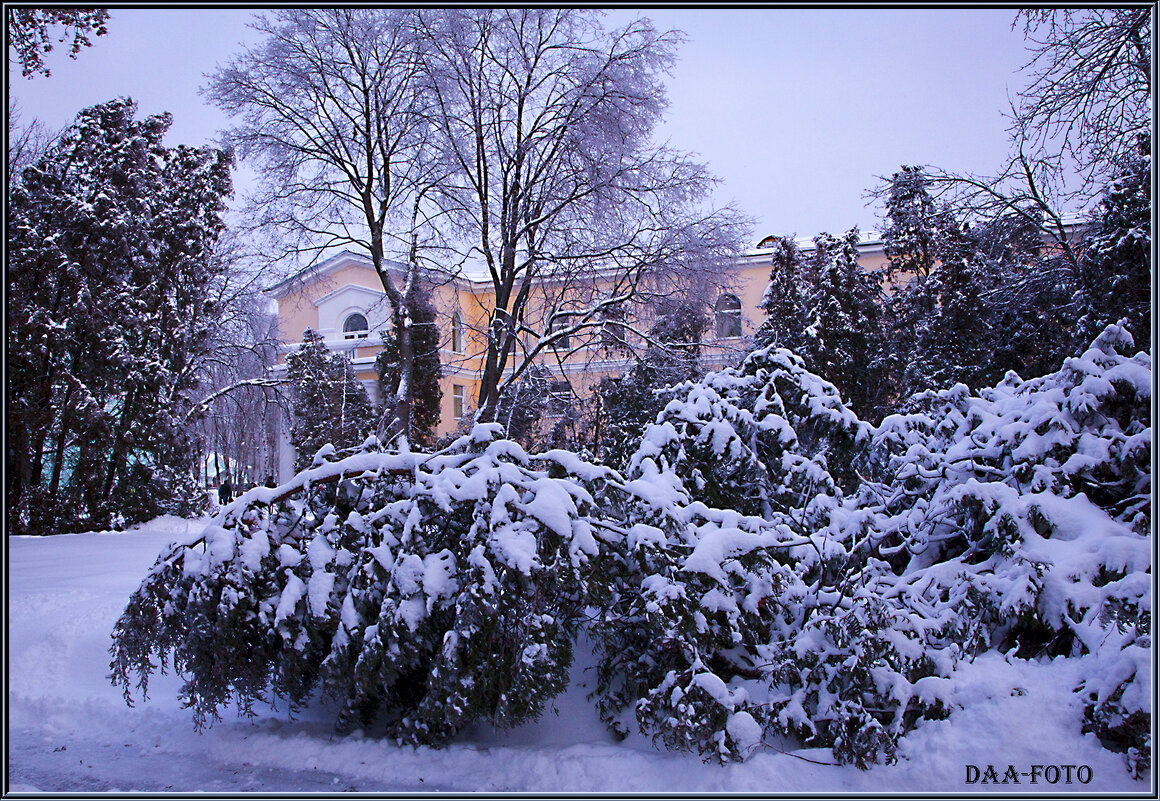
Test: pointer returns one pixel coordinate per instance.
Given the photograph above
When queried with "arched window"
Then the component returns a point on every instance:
(355, 327)
(458, 333)
(728, 310)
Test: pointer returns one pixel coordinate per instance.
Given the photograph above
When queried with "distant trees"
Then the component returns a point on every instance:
(992, 274)
(30, 33)
(236, 418)
(940, 329)
(845, 324)
(830, 311)
(1115, 269)
(110, 244)
(973, 296)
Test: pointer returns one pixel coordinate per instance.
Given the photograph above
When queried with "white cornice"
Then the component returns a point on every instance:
(375, 294)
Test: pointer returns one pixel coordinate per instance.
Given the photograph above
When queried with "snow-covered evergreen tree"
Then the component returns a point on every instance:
(849, 586)
(422, 591)
(914, 222)
(1018, 519)
(845, 328)
(110, 241)
(945, 329)
(694, 603)
(330, 404)
(785, 301)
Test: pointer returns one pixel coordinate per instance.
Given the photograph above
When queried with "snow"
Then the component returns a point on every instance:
(290, 597)
(69, 729)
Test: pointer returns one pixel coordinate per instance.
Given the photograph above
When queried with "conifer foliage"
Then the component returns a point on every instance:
(330, 405)
(786, 301)
(425, 395)
(864, 563)
(1018, 519)
(845, 328)
(1115, 274)
(769, 564)
(698, 592)
(422, 591)
(110, 242)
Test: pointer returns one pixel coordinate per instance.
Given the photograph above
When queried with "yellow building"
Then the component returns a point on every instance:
(342, 299)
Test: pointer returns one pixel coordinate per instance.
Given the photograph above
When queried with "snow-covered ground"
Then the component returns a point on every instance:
(69, 730)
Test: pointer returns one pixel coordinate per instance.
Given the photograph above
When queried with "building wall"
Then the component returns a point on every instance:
(322, 299)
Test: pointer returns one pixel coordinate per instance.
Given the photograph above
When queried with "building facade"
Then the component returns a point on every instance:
(342, 299)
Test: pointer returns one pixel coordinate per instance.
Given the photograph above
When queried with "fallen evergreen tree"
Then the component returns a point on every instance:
(1014, 520)
(768, 564)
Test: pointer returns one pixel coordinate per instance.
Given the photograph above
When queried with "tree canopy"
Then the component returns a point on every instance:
(110, 249)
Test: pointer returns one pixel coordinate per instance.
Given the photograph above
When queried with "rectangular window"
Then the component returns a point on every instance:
(613, 331)
(458, 401)
(728, 313)
(560, 322)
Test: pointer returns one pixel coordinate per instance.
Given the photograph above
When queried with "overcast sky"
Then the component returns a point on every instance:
(797, 111)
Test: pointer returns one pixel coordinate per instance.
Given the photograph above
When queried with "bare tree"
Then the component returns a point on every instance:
(236, 416)
(331, 110)
(1028, 188)
(1091, 92)
(519, 140)
(26, 143)
(545, 125)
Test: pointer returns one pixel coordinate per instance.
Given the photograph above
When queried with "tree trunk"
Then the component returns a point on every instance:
(117, 457)
(400, 422)
(58, 459)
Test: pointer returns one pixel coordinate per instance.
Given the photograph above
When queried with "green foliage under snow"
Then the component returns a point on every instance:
(768, 564)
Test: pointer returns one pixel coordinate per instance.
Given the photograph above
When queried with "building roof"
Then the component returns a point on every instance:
(324, 268)
(312, 272)
(806, 243)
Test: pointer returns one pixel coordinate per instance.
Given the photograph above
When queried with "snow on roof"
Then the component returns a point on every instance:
(806, 243)
(327, 267)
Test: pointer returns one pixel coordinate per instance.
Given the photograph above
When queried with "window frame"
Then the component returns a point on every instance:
(458, 401)
(558, 321)
(458, 333)
(614, 331)
(355, 333)
(727, 319)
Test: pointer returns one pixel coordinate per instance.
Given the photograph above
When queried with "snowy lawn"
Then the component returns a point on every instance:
(69, 729)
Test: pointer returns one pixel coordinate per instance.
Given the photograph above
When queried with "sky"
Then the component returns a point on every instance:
(798, 112)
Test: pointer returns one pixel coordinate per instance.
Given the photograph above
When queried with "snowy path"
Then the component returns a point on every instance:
(70, 731)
